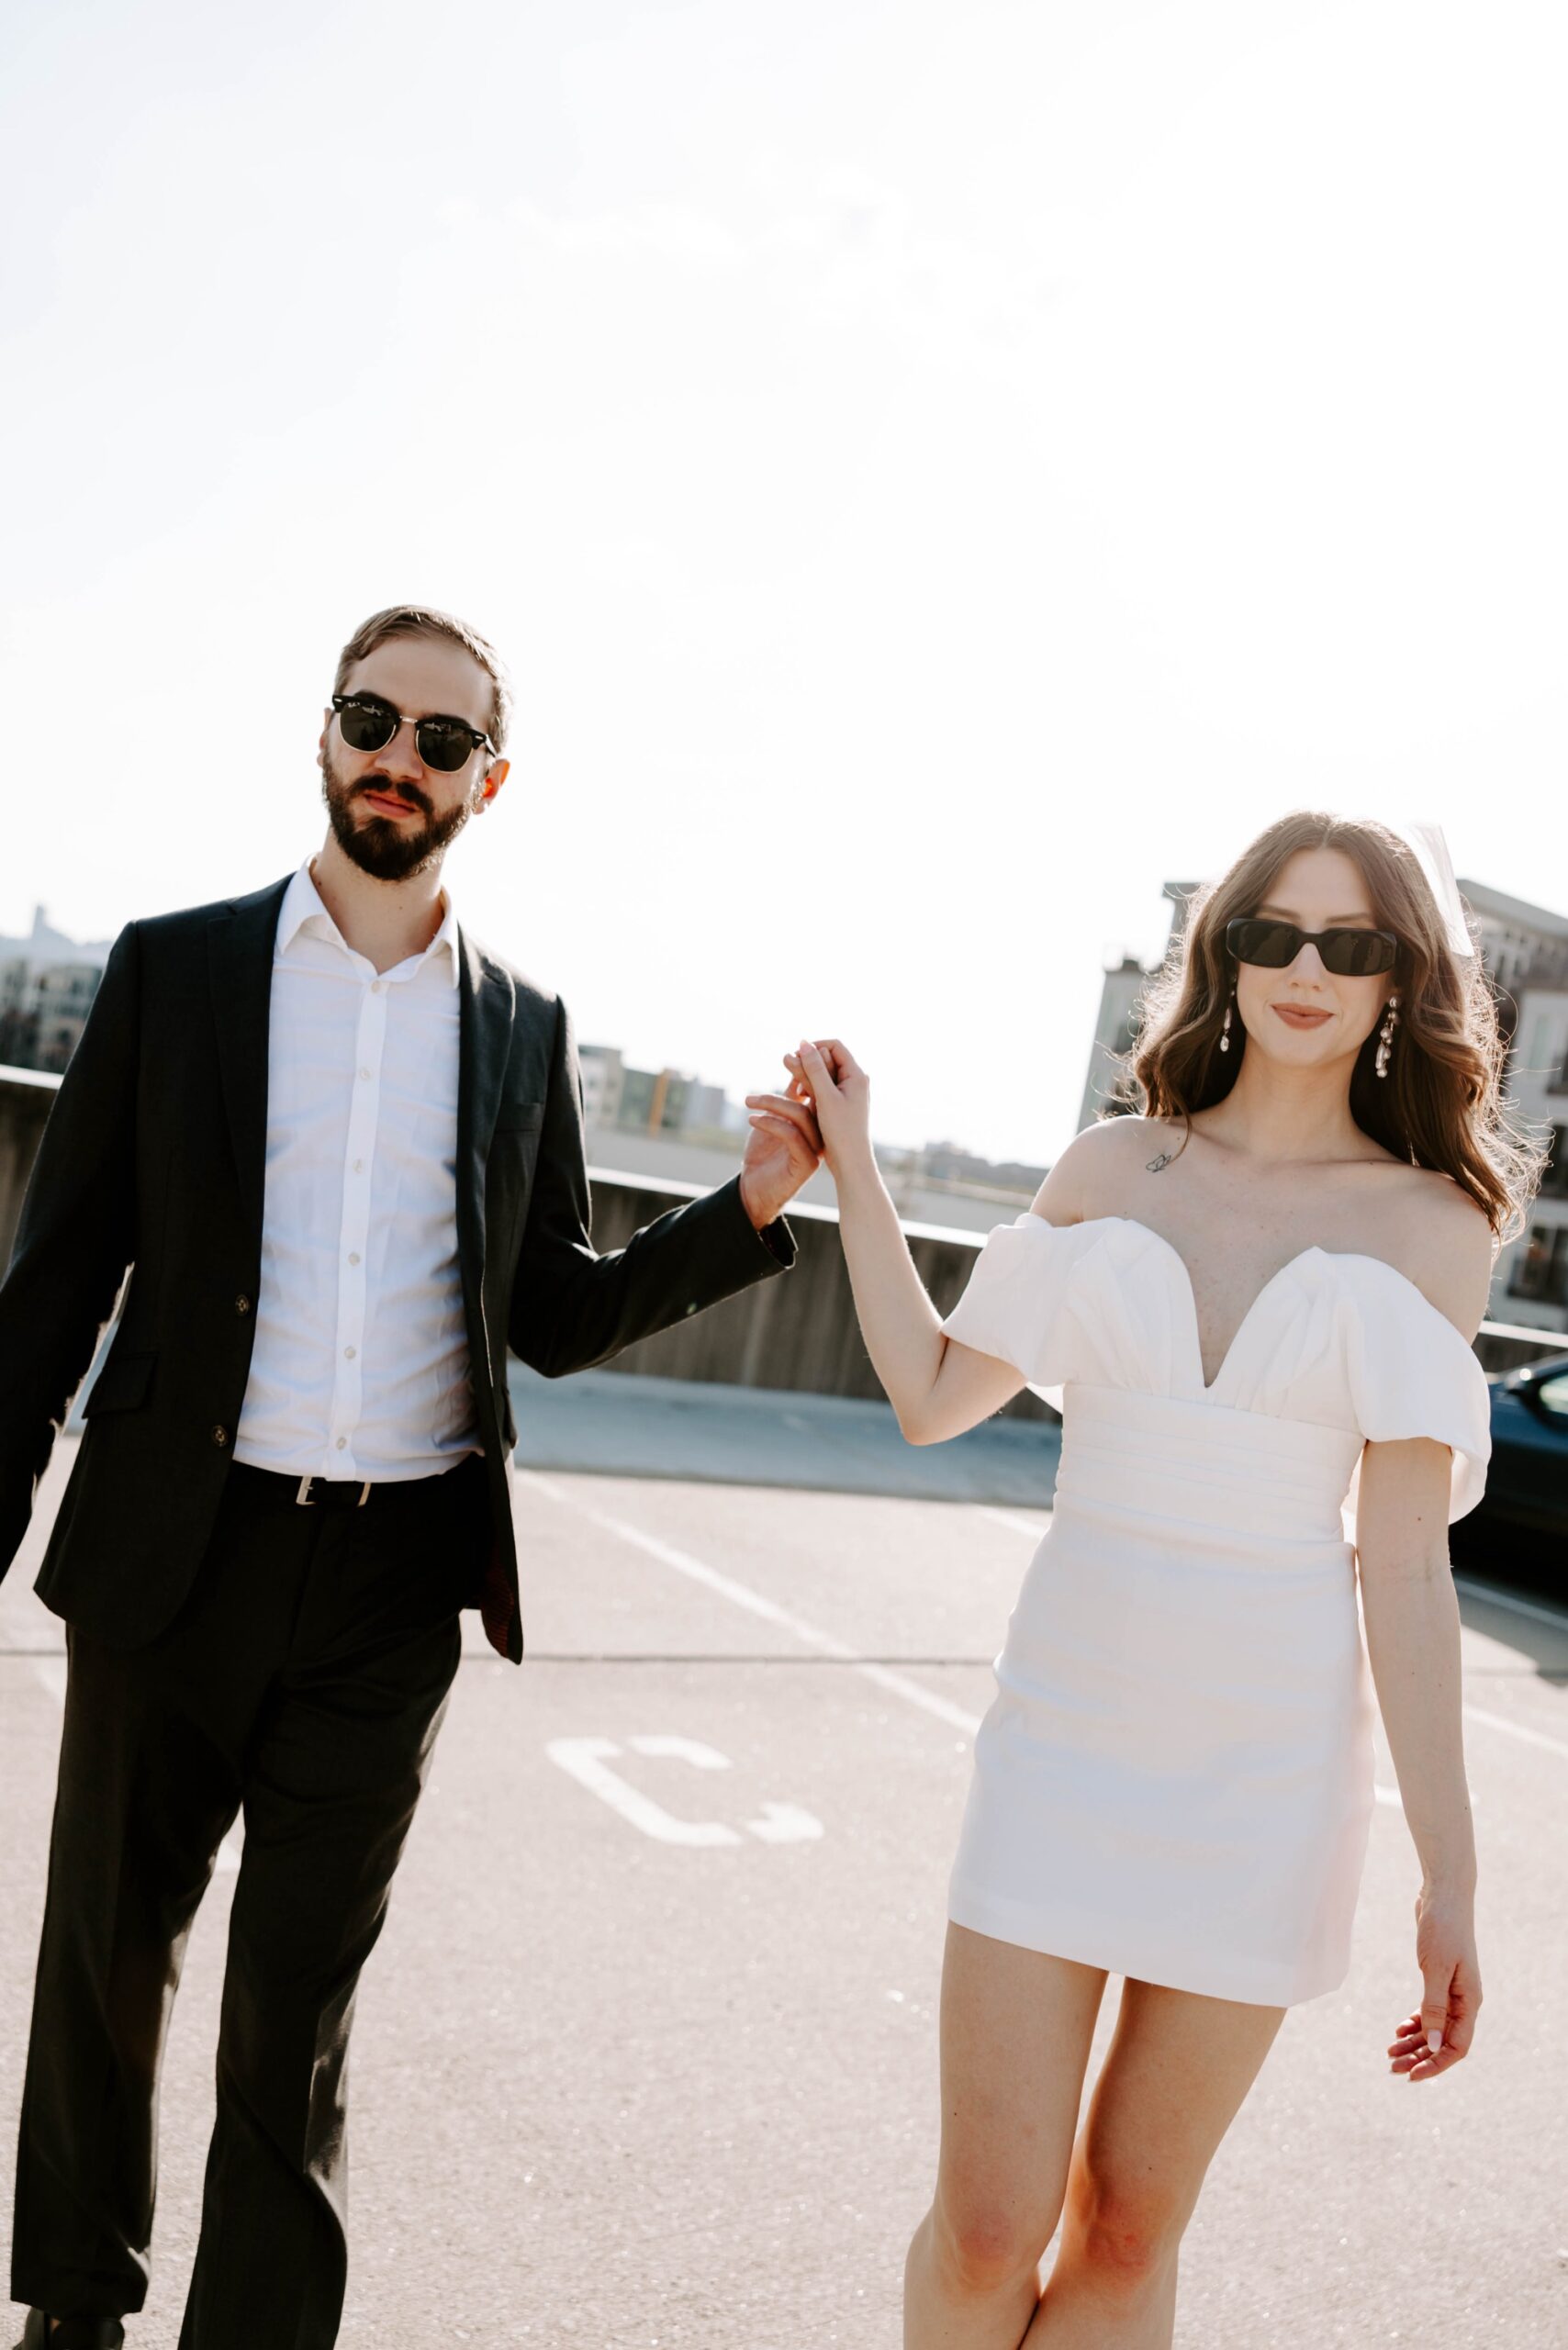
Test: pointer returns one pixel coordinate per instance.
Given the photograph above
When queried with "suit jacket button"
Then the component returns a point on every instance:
(220, 1436)
(241, 1303)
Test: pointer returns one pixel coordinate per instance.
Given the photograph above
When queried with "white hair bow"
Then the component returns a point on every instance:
(1430, 850)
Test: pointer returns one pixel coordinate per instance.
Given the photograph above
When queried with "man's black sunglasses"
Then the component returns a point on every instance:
(368, 723)
(1348, 953)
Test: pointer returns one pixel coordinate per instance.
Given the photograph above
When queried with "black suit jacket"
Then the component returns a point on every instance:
(153, 1158)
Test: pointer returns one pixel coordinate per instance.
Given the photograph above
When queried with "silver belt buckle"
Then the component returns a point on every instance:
(303, 1495)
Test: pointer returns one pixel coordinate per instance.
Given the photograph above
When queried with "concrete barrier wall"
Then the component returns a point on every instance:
(799, 1333)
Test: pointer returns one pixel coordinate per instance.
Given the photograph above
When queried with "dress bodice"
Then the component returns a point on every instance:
(1334, 1341)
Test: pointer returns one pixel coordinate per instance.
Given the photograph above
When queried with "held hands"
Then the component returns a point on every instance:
(827, 1076)
(824, 1115)
(1445, 1951)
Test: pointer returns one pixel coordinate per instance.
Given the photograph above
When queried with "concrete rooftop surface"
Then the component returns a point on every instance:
(646, 2057)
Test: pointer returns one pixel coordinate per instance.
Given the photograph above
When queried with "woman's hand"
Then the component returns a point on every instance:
(1445, 1952)
(828, 1076)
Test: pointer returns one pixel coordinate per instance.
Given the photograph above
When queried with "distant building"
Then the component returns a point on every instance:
(1116, 1027)
(705, 1106)
(1521, 946)
(603, 1072)
(1531, 1276)
(47, 985)
(653, 1101)
(947, 1163)
(647, 1101)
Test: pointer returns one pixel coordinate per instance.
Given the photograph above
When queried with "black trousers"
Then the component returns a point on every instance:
(303, 1684)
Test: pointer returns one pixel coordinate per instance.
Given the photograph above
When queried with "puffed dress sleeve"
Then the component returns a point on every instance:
(1413, 1375)
(1019, 1300)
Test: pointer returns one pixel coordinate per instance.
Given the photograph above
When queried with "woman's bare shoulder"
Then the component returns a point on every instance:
(1083, 1182)
(1443, 1242)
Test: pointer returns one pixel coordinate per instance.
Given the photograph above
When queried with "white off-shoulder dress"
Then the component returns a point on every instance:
(1175, 1778)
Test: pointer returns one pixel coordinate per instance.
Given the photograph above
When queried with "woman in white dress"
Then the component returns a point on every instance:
(1256, 1302)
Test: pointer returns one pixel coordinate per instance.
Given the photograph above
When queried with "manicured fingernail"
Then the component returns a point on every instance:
(1434, 2040)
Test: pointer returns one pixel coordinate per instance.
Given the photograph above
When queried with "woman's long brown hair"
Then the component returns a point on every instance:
(1440, 1104)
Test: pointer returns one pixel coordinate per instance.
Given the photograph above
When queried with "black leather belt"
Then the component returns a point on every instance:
(332, 1493)
(313, 1493)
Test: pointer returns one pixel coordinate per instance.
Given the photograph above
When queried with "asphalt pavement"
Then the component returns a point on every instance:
(647, 2054)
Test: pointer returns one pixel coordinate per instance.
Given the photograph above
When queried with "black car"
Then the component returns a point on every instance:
(1525, 1507)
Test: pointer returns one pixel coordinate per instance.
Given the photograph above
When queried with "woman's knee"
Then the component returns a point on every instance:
(984, 2243)
(1127, 2227)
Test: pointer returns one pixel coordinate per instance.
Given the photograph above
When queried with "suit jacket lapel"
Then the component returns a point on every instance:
(484, 1045)
(239, 967)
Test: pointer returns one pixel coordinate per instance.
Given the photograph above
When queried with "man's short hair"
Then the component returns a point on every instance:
(423, 620)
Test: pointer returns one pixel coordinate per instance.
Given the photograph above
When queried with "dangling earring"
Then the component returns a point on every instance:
(1385, 1034)
(1224, 1032)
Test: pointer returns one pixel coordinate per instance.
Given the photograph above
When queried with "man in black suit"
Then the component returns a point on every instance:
(340, 1145)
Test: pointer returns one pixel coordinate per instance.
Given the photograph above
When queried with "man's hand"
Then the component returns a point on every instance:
(784, 1151)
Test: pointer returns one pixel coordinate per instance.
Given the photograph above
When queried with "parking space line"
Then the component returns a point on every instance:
(1557, 1617)
(1011, 1519)
(740, 1594)
(1517, 1729)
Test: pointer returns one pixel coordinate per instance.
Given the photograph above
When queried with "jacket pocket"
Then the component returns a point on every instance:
(120, 1386)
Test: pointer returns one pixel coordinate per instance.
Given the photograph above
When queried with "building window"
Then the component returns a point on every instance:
(1554, 1181)
(1540, 1268)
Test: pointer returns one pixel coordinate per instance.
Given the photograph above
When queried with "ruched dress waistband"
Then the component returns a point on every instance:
(1126, 1454)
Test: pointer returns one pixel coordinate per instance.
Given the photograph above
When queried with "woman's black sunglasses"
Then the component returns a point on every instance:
(1348, 953)
(368, 723)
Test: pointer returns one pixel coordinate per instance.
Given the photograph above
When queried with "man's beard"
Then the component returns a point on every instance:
(390, 848)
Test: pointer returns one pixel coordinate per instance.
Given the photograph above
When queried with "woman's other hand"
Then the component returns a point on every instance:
(1445, 1952)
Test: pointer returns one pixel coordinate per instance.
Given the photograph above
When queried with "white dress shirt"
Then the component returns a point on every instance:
(360, 1366)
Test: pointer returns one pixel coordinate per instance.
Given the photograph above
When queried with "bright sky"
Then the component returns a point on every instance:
(936, 472)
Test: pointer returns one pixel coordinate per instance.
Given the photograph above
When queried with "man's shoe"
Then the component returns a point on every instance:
(71, 2333)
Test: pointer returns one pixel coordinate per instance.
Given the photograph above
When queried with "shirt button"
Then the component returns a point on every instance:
(241, 1303)
(349, 1351)
(221, 1436)
(365, 1072)
(342, 1441)
(354, 1256)
(375, 986)
(358, 1165)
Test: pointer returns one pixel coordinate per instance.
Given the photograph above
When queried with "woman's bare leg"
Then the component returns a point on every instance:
(1175, 2075)
(1016, 2031)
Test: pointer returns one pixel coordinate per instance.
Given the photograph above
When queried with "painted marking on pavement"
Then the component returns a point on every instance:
(1517, 1729)
(588, 1760)
(1029, 1525)
(740, 1594)
(1556, 1617)
(784, 1823)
